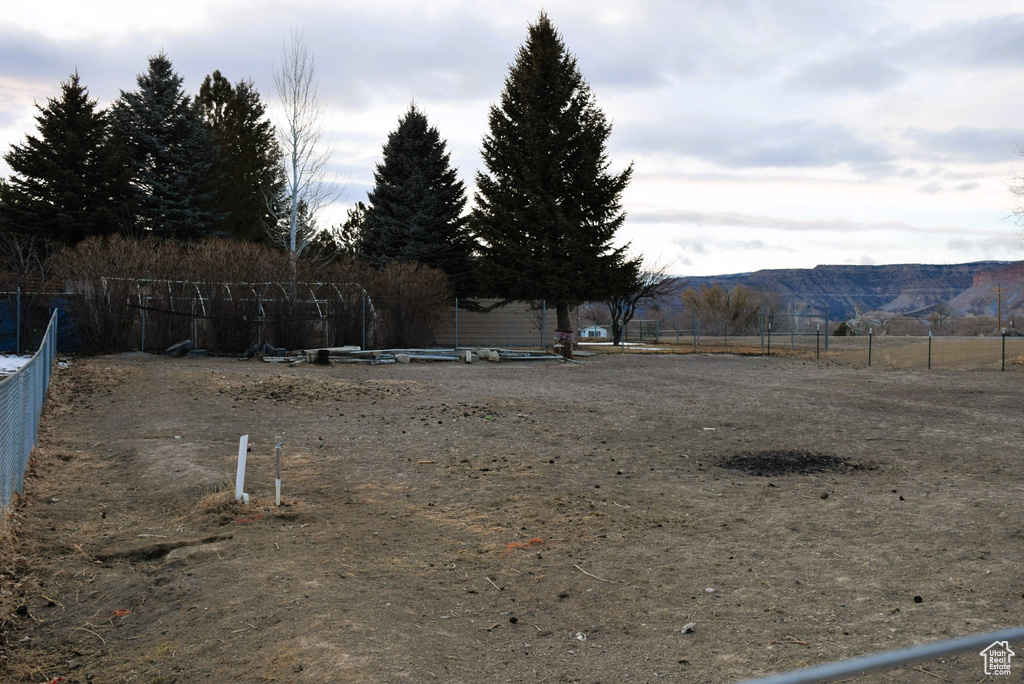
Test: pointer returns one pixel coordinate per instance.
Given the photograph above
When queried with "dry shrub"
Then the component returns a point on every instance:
(727, 312)
(227, 295)
(231, 277)
(101, 273)
(410, 302)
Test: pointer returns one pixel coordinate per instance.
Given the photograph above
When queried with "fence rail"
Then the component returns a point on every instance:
(890, 659)
(21, 403)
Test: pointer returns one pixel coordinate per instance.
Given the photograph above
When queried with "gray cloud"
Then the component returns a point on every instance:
(692, 246)
(848, 72)
(992, 42)
(739, 144)
(993, 246)
(881, 59)
(982, 145)
(740, 220)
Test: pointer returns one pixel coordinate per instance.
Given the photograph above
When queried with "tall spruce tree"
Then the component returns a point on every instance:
(414, 211)
(171, 155)
(67, 182)
(548, 208)
(249, 159)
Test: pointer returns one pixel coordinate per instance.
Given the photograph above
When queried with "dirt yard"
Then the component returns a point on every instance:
(513, 522)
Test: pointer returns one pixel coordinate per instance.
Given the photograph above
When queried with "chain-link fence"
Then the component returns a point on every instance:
(230, 317)
(817, 336)
(21, 403)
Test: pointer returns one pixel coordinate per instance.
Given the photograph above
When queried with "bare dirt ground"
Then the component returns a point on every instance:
(514, 522)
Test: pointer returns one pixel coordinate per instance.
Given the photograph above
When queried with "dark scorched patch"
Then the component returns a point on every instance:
(786, 462)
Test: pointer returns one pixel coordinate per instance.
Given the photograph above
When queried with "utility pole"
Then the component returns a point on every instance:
(998, 289)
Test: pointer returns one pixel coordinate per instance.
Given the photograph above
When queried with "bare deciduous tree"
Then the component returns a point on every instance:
(305, 144)
(725, 312)
(940, 319)
(27, 256)
(652, 284)
(596, 313)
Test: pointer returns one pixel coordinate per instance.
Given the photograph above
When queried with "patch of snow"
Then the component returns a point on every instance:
(10, 363)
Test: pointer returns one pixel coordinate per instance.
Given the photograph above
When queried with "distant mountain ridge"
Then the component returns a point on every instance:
(907, 289)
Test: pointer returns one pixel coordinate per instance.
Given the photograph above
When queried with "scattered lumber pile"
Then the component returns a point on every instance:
(374, 357)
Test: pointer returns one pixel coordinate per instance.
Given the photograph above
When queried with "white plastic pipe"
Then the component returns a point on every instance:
(277, 482)
(243, 447)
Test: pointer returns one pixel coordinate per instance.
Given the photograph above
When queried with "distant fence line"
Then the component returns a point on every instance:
(806, 335)
(22, 396)
(923, 352)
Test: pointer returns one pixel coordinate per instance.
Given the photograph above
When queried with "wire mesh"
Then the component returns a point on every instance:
(22, 395)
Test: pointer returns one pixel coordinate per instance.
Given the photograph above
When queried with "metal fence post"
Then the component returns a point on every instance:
(544, 324)
(1003, 358)
(826, 328)
(871, 336)
(17, 325)
(456, 322)
(760, 325)
(259, 321)
(929, 350)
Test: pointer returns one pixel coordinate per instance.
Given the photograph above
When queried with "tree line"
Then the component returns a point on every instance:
(162, 164)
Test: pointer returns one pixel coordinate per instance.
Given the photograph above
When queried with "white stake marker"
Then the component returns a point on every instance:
(243, 446)
(277, 482)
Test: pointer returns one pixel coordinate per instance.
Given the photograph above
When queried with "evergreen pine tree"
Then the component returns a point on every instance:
(414, 211)
(249, 159)
(171, 155)
(547, 208)
(65, 185)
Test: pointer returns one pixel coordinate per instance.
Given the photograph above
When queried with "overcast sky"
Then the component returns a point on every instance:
(764, 134)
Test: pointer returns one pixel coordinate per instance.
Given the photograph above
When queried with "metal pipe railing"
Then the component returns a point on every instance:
(889, 659)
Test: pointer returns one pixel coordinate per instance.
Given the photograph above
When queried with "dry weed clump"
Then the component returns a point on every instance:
(411, 302)
(15, 585)
(8, 536)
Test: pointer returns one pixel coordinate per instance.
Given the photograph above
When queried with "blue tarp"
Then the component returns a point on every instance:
(68, 339)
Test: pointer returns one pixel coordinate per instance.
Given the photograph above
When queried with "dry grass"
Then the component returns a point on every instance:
(905, 352)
